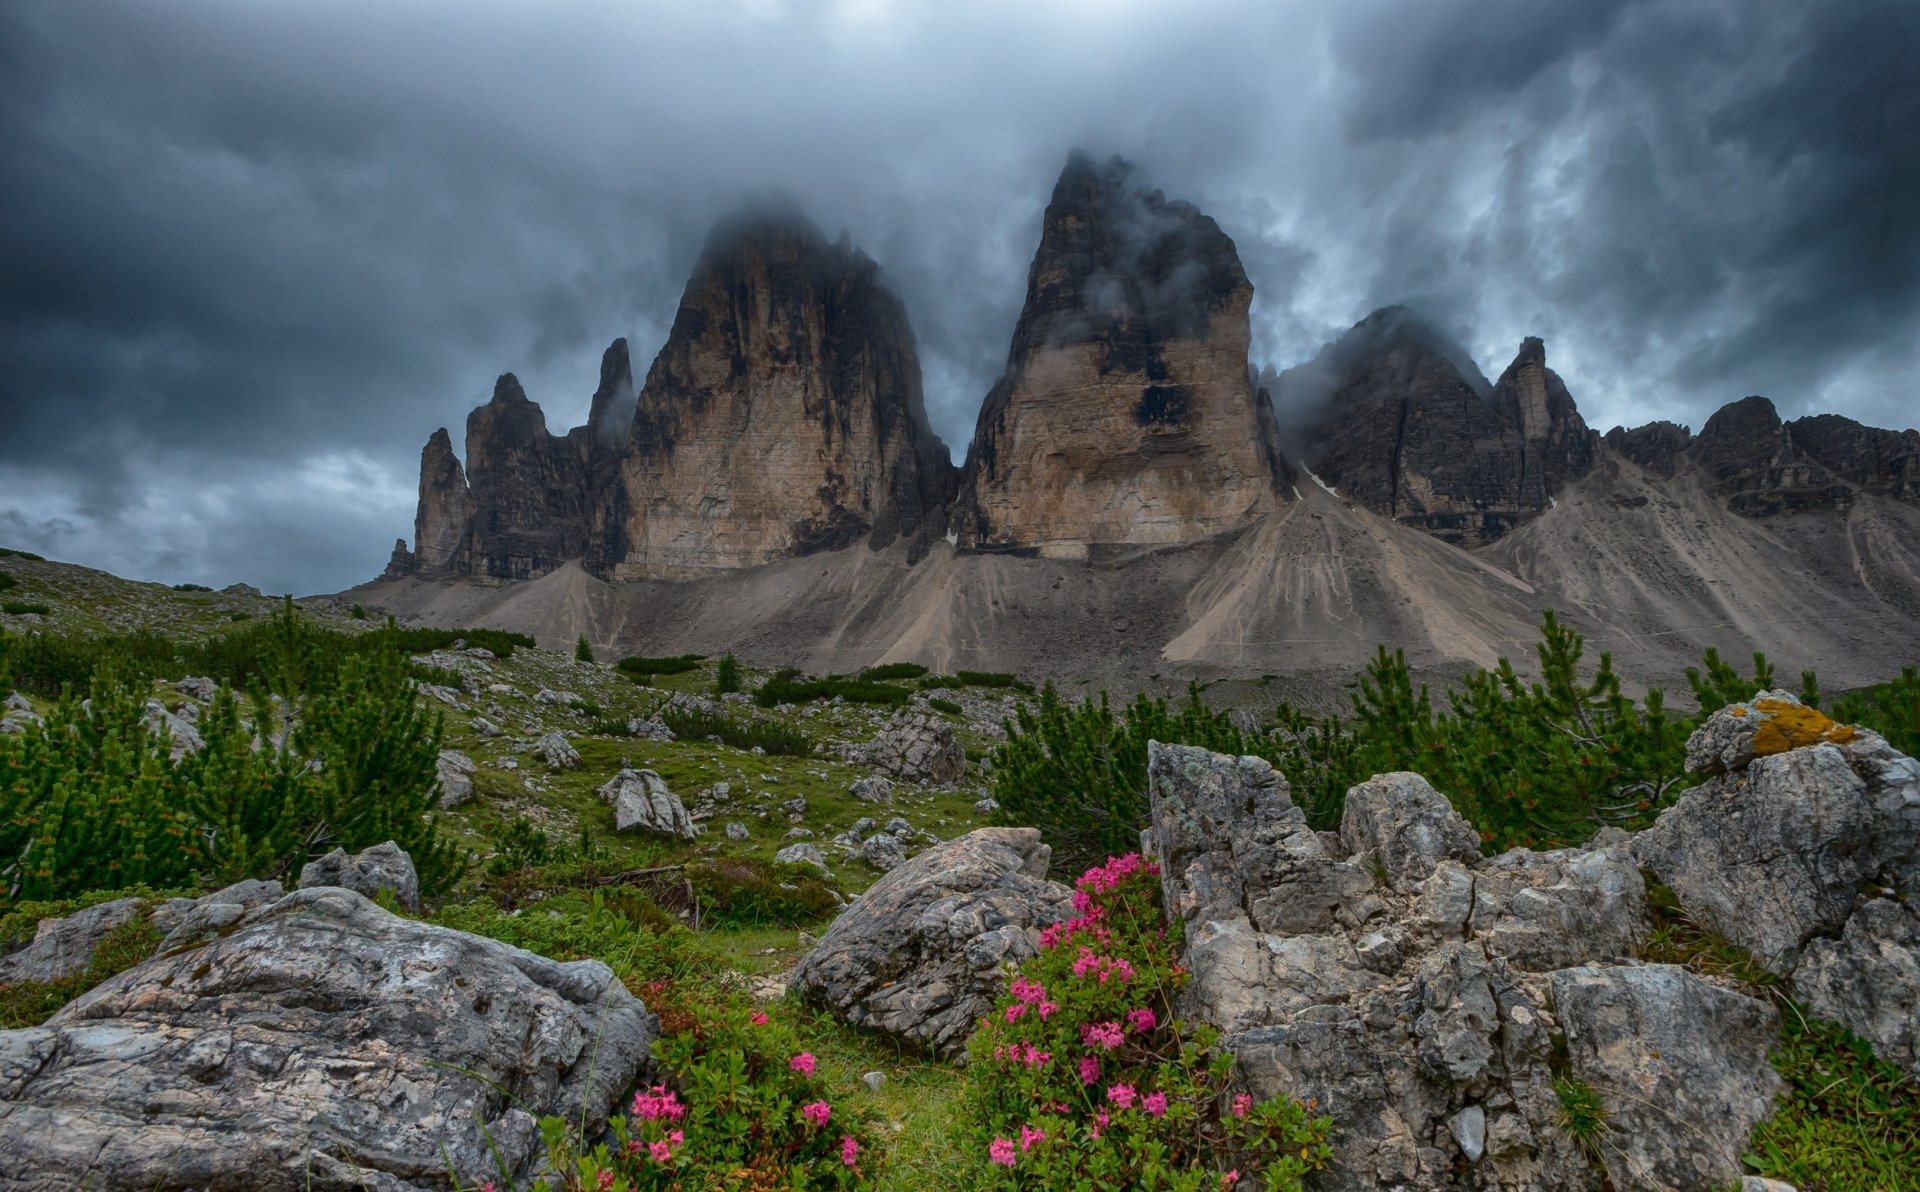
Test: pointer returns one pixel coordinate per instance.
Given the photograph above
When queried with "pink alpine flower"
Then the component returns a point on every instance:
(816, 1113)
(1105, 1035)
(849, 1150)
(605, 1181)
(1015, 1010)
(1000, 1151)
(1089, 1070)
(1122, 1095)
(1030, 1135)
(759, 1018)
(1242, 1105)
(661, 1151)
(1155, 1104)
(802, 1063)
(656, 1103)
(1230, 1178)
(1047, 1010)
(1100, 1120)
(1142, 1020)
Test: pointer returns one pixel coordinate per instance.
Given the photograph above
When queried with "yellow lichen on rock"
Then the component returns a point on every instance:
(1794, 726)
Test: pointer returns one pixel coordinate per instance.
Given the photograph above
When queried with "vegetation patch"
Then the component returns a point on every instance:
(1848, 1119)
(768, 736)
(30, 1003)
(672, 665)
(22, 607)
(746, 893)
(790, 687)
(894, 670)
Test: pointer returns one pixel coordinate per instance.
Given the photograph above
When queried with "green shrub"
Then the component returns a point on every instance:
(586, 707)
(1078, 772)
(198, 588)
(582, 650)
(522, 845)
(5, 553)
(746, 893)
(726, 676)
(990, 679)
(788, 687)
(945, 705)
(1583, 1115)
(894, 670)
(672, 665)
(1890, 709)
(22, 607)
(7, 581)
(92, 798)
(1082, 1077)
(357, 612)
(769, 736)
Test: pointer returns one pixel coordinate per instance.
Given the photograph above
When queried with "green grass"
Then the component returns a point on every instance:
(21, 607)
(1848, 1120)
(31, 1003)
(1582, 1115)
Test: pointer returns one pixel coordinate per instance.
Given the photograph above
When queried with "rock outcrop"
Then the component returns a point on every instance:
(63, 947)
(918, 746)
(369, 871)
(324, 1045)
(784, 415)
(1395, 416)
(642, 802)
(529, 489)
(1125, 415)
(1403, 982)
(445, 516)
(1764, 467)
(920, 955)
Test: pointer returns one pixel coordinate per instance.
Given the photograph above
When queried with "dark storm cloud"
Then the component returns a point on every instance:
(251, 254)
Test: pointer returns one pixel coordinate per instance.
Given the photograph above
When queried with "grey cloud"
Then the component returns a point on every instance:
(237, 239)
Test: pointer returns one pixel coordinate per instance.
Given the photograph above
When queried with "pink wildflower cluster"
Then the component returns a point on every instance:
(1091, 963)
(658, 1103)
(660, 1150)
(1023, 1053)
(816, 1113)
(1142, 1020)
(1000, 1151)
(1104, 1035)
(1104, 879)
(849, 1150)
(1089, 925)
(1089, 1070)
(802, 1063)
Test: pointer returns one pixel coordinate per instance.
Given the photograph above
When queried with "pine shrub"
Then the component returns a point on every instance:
(726, 676)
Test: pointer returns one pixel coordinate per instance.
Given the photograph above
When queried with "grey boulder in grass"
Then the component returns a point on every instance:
(921, 954)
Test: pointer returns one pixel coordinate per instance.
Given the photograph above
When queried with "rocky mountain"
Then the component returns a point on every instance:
(1394, 415)
(1124, 416)
(783, 416)
(1136, 500)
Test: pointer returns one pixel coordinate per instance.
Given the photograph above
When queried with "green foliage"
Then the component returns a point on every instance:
(970, 678)
(747, 893)
(1083, 1078)
(1716, 683)
(22, 607)
(945, 705)
(769, 736)
(7, 581)
(357, 612)
(586, 707)
(673, 665)
(1078, 772)
(201, 588)
(30, 1003)
(522, 845)
(726, 676)
(1848, 1120)
(6, 553)
(92, 798)
(582, 650)
(1583, 1115)
(894, 670)
(1890, 709)
(788, 687)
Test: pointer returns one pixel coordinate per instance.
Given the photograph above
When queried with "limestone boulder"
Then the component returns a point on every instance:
(921, 955)
(385, 866)
(918, 746)
(1681, 1066)
(182, 736)
(62, 947)
(456, 772)
(1399, 822)
(872, 789)
(324, 1046)
(642, 802)
(188, 922)
(557, 751)
(1868, 978)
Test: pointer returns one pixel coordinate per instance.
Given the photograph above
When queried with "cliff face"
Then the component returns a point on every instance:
(1125, 415)
(1396, 417)
(529, 489)
(784, 415)
(1761, 466)
(445, 516)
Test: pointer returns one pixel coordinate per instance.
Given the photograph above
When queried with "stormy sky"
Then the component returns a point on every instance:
(253, 251)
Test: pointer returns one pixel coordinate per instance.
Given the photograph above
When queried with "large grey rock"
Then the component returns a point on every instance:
(1414, 1020)
(642, 802)
(884, 851)
(918, 746)
(16, 714)
(188, 922)
(802, 854)
(446, 695)
(558, 699)
(649, 730)
(385, 866)
(198, 688)
(183, 738)
(1680, 1064)
(921, 954)
(456, 772)
(872, 789)
(63, 947)
(1868, 978)
(325, 1046)
(557, 751)
(1774, 853)
(1401, 823)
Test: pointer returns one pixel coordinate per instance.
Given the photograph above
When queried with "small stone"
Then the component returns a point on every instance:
(1469, 1129)
(736, 831)
(872, 789)
(558, 752)
(875, 1081)
(986, 806)
(485, 727)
